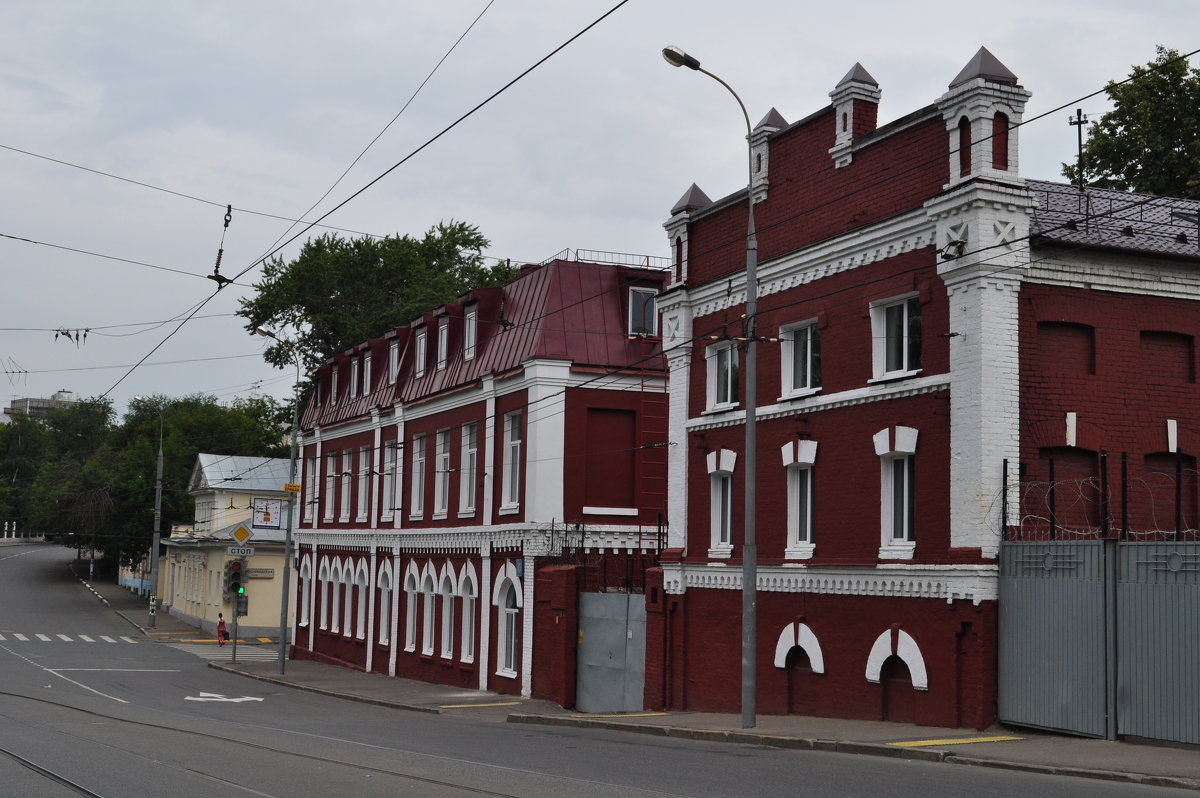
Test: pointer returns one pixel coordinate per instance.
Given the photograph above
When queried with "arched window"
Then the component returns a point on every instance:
(1000, 141)
(964, 147)
(468, 591)
(385, 605)
(510, 632)
(410, 611)
(324, 584)
(305, 598)
(335, 587)
(427, 617)
(347, 608)
(447, 631)
(361, 582)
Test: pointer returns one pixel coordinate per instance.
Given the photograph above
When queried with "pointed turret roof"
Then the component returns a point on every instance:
(987, 66)
(772, 119)
(857, 74)
(692, 200)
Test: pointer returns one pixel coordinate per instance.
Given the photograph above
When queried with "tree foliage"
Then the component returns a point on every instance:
(79, 475)
(1150, 141)
(339, 292)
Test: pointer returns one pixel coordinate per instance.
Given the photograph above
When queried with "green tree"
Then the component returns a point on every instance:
(1150, 141)
(339, 292)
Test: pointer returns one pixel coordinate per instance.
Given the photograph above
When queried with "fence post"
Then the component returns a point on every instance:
(1109, 551)
(1104, 507)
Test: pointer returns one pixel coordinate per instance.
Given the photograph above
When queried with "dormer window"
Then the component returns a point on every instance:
(366, 373)
(643, 314)
(393, 362)
(470, 323)
(419, 354)
(333, 379)
(353, 377)
(443, 341)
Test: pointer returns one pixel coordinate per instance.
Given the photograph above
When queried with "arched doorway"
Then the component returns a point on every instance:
(899, 697)
(801, 681)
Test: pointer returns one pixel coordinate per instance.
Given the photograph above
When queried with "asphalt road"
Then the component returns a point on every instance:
(89, 706)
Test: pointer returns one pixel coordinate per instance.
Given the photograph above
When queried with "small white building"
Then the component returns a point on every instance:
(240, 502)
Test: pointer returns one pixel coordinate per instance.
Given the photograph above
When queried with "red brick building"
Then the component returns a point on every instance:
(450, 464)
(924, 320)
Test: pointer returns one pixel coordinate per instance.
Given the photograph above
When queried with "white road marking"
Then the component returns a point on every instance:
(219, 697)
(107, 639)
(86, 639)
(64, 678)
(64, 638)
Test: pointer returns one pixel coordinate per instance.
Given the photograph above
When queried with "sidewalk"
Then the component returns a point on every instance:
(999, 747)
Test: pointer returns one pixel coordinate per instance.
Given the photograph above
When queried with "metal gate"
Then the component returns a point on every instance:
(1101, 637)
(611, 664)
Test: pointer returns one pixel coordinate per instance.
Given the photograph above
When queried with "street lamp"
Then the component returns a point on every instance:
(677, 57)
(286, 596)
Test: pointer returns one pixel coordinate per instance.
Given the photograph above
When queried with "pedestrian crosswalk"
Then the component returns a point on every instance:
(40, 637)
(215, 653)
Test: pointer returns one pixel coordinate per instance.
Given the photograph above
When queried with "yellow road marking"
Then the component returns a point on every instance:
(955, 741)
(472, 706)
(626, 715)
(265, 639)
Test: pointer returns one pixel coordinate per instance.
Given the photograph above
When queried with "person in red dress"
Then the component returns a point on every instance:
(222, 632)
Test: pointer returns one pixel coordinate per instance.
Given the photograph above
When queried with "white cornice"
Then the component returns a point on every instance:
(974, 583)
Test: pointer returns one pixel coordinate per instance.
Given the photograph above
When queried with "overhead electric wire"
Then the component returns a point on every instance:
(391, 169)
(102, 255)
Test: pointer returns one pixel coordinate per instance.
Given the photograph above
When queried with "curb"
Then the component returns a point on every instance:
(861, 748)
(322, 691)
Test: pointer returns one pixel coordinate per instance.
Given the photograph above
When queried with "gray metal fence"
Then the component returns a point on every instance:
(1101, 637)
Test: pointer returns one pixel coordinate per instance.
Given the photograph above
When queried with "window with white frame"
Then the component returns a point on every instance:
(360, 604)
(510, 631)
(470, 331)
(333, 385)
(335, 580)
(347, 473)
(323, 582)
(410, 612)
(468, 593)
(643, 313)
(896, 337)
(311, 478)
(801, 359)
(799, 460)
(510, 483)
(393, 362)
(419, 353)
(428, 616)
(348, 587)
(720, 480)
(384, 619)
(366, 373)
(896, 448)
(441, 474)
(468, 469)
(447, 631)
(417, 498)
(364, 483)
(354, 365)
(722, 359)
(305, 595)
(330, 484)
(390, 466)
(443, 343)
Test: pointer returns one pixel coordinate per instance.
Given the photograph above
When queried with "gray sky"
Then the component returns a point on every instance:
(263, 105)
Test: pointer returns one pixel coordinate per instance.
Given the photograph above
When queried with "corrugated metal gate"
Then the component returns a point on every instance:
(1101, 637)
(611, 666)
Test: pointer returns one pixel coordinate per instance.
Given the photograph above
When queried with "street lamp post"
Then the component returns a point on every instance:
(156, 538)
(677, 57)
(285, 598)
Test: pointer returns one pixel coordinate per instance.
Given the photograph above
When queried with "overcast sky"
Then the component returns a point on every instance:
(263, 105)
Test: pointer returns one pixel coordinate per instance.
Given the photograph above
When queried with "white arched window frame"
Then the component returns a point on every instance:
(335, 587)
(305, 598)
(897, 449)
(429, 609)
(720, 466)
(508, 598)
(325, 581)
(410, 608)
(449, 587)
(362, 582)
(348, 599)
(799, 635)
(901, 644)
(468, 586)
(385, 604)
(799, 461)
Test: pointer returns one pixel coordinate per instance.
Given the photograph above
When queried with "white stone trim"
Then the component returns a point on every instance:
(799, 634)
(906, 649)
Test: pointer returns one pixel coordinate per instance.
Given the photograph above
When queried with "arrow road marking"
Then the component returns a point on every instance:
(219, 697)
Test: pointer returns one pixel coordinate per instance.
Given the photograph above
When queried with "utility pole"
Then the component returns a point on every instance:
(1078, 121)
(154, 541)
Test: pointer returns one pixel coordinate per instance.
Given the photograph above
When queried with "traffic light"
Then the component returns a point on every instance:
(237, 577)
(227, 580)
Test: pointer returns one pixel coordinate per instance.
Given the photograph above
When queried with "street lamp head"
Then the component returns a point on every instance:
(265, 333)
(677, 57)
